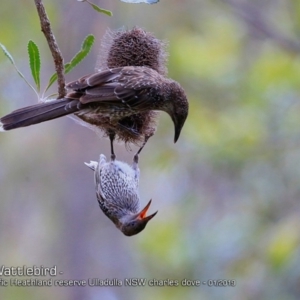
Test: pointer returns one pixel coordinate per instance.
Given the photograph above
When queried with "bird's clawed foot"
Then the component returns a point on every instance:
(136, 156)
(112, 136)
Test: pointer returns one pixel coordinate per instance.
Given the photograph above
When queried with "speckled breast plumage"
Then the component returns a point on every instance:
(117, 188)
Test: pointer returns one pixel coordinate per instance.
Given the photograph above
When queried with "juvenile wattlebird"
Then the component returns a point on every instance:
(117, 193)
(122, 97)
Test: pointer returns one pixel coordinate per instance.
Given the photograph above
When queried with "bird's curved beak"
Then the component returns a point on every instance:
(178, 124)
(142, 214)
(177, 131)
(178, 117)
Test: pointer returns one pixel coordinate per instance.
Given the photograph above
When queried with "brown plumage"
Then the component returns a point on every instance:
(117, 194)
(134, 47)
(120, 100)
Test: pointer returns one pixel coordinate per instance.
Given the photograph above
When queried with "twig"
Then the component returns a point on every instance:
(56, 54)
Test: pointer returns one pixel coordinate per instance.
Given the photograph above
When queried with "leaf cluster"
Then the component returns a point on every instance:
(35, 62)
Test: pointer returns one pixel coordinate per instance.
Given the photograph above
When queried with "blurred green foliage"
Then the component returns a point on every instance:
(228, 192)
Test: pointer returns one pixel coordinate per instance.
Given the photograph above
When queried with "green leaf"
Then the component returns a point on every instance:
(101, 10)
(85, 50)
(34, 62)
(52, 79)
(97, 8)
(67, 68)
(9, 56)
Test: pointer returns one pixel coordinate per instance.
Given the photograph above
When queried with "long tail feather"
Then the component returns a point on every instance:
(38, 113)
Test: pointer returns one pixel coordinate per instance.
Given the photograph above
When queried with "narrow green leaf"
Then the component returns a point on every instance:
(85, 49)
(101, 10)
(67, 68)
(52, 79)
(9, 56)
(34, 62)
(97, 8)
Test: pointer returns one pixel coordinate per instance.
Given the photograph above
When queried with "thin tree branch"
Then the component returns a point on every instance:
(56, 54)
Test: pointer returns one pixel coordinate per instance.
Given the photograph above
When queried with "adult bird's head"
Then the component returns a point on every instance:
(177, 106)
(134, 224)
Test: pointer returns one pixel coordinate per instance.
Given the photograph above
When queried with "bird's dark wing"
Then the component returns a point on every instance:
(128, 86)
(95, 79)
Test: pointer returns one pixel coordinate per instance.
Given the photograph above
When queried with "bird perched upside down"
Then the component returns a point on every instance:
(117, 194)
(120, 99)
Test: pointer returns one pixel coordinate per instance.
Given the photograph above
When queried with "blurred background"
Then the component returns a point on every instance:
(228, 193)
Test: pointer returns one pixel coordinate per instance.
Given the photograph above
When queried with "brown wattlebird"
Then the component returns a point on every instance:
(122, 98)
(117, 193)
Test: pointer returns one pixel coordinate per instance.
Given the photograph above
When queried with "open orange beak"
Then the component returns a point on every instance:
(142, 215)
